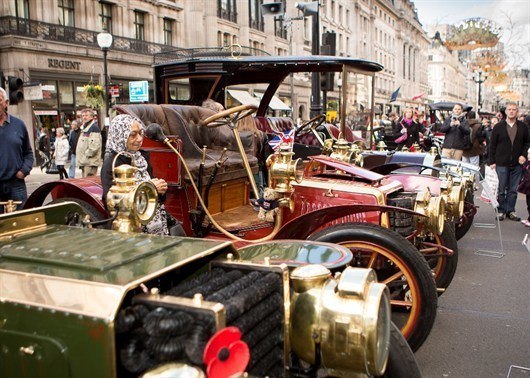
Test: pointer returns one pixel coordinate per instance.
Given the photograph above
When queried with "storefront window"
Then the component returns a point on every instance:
(49, 95)
(80, 99)
(66, 93)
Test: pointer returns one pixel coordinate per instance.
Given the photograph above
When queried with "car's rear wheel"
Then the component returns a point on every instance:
(400, 266)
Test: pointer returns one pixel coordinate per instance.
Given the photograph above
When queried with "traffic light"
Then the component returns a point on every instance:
(16, 91)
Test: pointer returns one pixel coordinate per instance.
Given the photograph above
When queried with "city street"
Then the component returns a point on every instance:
(483, 323)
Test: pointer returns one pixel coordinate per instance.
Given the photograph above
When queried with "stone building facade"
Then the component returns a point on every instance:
(54, 43)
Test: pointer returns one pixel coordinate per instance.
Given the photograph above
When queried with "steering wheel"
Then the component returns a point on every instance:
(230, 116)
(310, 125)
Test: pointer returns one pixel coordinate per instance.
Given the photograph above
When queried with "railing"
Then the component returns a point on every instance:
(207, 52)
(39, 30)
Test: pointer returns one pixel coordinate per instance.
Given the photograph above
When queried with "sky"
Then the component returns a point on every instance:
(503, 12)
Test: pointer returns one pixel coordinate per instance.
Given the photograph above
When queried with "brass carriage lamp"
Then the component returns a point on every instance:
(433, 207)
(283, 169)
(134, 204)
(453, 194)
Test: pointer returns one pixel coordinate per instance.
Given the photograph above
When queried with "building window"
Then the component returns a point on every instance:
(279, 25)
(105, 16)
(139, 25)
(22, 9)
(66, 12)
(227, 10)
(255, 17)
(168, 31)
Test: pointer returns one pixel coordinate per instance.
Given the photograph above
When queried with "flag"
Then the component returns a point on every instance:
(285, 137)
(417, 97)
(395, 94)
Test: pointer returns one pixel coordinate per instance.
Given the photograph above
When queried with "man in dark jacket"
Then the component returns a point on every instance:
(508, 148)
(456, 129)
(72, 141)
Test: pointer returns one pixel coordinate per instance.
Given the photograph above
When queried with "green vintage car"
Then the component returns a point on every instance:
(77, 301)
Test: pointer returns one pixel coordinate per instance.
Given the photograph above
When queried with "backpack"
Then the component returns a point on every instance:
(468, 140)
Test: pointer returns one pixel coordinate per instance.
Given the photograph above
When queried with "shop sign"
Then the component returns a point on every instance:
(64, 64)
(45, 112)
(138, 91)
(114, 91)
(33, 92)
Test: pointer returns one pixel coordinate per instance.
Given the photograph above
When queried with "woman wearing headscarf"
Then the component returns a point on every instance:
(126, 135)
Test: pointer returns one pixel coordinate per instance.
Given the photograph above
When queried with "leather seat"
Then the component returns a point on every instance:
(185, 122)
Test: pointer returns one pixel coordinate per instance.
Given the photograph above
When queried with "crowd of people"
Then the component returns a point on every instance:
(501, 142)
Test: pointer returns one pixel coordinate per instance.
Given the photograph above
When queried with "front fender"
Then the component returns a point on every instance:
(304, 225)
(88, 190)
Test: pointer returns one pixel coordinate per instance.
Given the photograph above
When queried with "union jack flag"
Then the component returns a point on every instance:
(285, 137)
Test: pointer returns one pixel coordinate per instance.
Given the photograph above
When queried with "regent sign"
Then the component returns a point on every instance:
(64, 64)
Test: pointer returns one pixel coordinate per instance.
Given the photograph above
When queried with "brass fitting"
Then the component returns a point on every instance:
(453, 195)
(381, 146)
(282, 170)
(348, 153)
(135, 204)
(433, 208)
(348, 317)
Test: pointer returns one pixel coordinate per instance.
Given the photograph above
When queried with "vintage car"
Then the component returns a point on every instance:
(209, 186)
(76, 301)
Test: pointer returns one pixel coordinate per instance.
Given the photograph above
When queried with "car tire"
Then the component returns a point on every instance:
(401, 360)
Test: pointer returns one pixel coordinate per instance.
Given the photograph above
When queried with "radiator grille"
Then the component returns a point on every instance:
(149, 333)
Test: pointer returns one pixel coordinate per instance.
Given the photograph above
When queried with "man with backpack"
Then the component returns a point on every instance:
(477, 137)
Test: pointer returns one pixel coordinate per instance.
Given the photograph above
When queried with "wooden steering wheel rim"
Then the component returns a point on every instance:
(312, 122)
(228, 112)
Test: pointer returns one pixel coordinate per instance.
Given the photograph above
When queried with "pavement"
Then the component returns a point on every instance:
(482, 327)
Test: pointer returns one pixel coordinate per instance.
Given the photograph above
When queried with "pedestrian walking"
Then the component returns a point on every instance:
(73, 138)
(16, 155)
(456, 129)
(88, 151)
(509, 144)
(478, 136)
(61, 152)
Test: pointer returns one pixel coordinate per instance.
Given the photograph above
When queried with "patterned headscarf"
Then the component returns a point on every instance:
(119, 131)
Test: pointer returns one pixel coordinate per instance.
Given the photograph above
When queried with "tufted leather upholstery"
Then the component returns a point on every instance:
(186, 123)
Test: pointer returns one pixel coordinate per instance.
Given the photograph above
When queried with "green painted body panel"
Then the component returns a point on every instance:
(64, 345)
(98, 255)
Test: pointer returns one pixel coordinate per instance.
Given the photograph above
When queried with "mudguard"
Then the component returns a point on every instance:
(86, 189)
(304, 225)
(387, 168)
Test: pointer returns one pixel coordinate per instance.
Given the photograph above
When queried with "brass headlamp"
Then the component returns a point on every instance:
(381, 146)
(348, 153)
(283, 169)
(348, 318)
(453, 195)
(135, 204)
(433, 208)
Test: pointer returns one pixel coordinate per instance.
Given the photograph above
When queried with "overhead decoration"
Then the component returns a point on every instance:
(473, 33)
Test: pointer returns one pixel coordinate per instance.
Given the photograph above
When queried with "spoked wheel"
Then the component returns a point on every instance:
(435, 251)
(464, 223)
(310, 125)
(400, 266)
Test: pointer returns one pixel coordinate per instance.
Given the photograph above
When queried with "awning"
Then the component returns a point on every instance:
(276, 103)
(243, 97)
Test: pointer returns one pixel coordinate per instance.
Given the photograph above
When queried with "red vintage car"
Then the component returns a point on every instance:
(209, 188)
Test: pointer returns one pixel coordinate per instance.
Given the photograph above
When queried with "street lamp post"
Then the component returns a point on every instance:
(339, 86)
(104, 42)
(479, 78)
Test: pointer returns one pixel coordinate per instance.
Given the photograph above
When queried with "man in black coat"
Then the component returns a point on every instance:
(508, 148)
